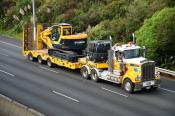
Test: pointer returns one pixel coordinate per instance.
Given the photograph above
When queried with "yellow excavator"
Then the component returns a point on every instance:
(59, 40)
(62, 37)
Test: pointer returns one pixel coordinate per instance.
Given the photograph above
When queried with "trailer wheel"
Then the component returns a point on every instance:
(40, 60)
(49, 63)
(30, 57)
(95, 75)
(128, 86)
(84, 72)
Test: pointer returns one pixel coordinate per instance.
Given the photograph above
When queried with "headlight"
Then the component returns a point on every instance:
(138, 78)
(157, 74)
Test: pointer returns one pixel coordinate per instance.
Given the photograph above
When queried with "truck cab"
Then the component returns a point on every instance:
(138, 72)
(125, 65)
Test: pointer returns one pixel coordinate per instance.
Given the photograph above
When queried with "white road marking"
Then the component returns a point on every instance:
(114, 92)
(3, 54)
(7, 73)
(10, 44)
(49, 69)
(3, 65)
(167, 90)
(65, 96)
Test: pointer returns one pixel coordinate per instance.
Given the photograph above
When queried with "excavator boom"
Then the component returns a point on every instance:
(45, 37)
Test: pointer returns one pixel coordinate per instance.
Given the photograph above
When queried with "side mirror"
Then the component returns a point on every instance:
(120, 56)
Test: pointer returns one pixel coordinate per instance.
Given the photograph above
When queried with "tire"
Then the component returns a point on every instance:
(40, 60)
(94, 75)
(30, 57)
(154, 88)
(128, 86)
(84, 72)
(49, 63)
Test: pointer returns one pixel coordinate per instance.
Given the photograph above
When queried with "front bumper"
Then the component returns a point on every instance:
(141, 85)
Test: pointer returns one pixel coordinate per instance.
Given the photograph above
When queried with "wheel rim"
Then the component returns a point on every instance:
(30, 58)
(94, 76)
(128, 86)
(39, 60)
(49, 64)
(85, 73)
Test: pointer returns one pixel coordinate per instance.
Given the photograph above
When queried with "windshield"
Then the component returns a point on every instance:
(55, 34)
(133, 53)
(67, 31)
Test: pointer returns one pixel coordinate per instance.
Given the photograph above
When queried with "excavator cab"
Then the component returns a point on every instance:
(62, 37)
(67, 31)
(60, 30)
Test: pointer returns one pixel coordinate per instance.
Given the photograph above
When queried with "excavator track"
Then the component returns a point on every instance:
(65, 55)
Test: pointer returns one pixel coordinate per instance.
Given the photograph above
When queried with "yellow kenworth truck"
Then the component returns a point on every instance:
(97, 60)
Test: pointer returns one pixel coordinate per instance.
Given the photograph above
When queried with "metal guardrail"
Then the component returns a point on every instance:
(165, 71)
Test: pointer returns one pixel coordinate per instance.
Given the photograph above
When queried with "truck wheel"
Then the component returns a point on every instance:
(154, 88)
(84, 72)
(30, 57)
(49, 63)
(128, 86)
(40, 60)
(94, 75)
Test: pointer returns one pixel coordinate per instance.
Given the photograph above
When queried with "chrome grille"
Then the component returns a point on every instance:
(148, 71)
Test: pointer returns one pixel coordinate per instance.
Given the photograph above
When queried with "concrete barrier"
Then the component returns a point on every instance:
(5, 105)
(8, 107)
(18, 109)
(32, 112)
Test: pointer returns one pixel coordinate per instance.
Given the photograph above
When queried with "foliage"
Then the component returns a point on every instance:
(101, 31)
(157, 34)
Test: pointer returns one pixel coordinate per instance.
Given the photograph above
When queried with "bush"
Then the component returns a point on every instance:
(101, 31)
(157, 34)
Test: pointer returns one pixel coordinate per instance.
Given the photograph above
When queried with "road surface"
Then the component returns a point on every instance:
(62, 92)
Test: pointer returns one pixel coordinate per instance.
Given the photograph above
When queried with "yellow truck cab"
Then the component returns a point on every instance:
(138, 72)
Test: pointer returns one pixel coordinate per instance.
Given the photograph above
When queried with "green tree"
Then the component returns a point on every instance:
(101, 31)
(157, 34)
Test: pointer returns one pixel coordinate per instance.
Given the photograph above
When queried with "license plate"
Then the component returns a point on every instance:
(148, 83)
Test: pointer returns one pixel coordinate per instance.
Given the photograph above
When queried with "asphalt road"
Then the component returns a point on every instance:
(62, 92)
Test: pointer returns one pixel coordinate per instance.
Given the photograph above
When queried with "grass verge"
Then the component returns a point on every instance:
(10, 34)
